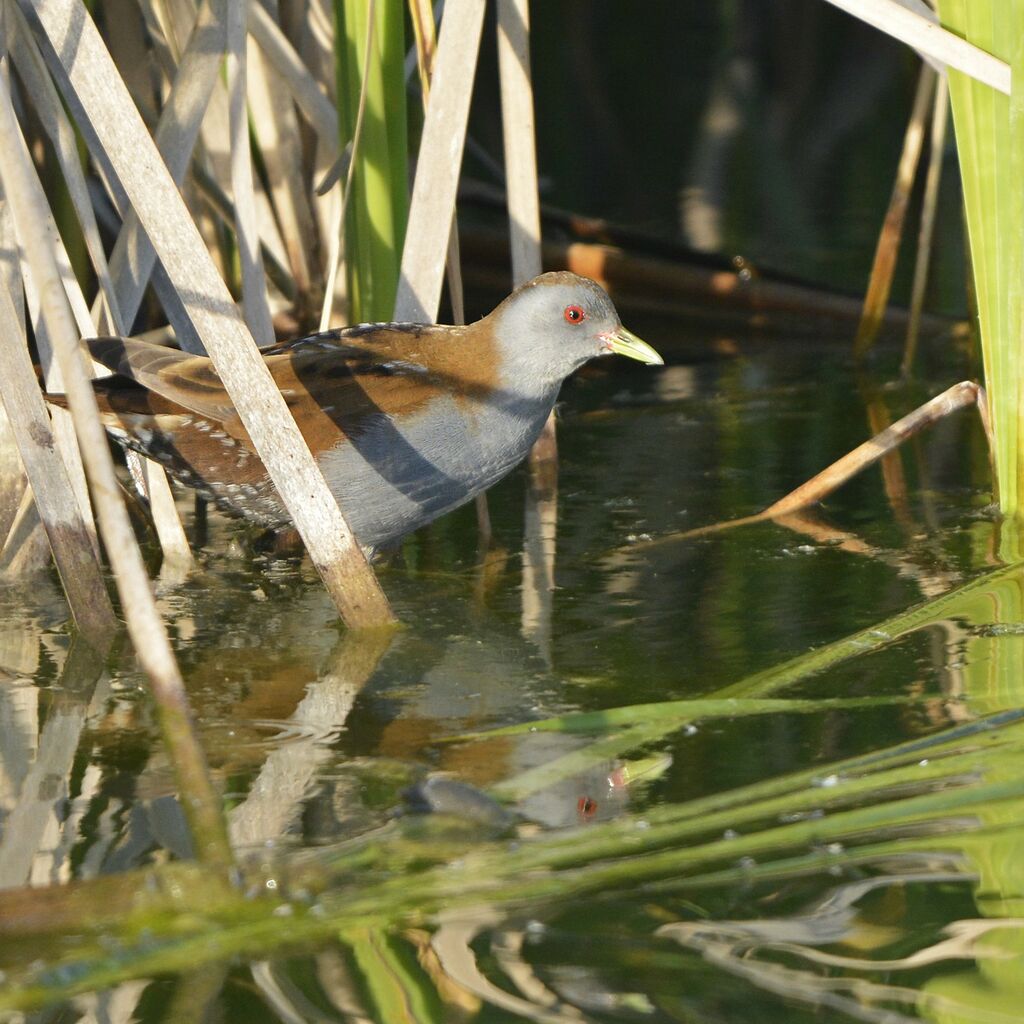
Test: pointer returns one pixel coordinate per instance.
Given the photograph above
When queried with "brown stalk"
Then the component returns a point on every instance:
(880, 282)
(929, 205)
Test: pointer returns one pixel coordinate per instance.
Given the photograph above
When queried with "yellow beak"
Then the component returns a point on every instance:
(626, 343)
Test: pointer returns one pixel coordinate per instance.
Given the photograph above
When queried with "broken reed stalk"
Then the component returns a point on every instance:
(887, 250)
(929, 206)
(957, 397)
(100, 92)
(152, 646)
(951, 400)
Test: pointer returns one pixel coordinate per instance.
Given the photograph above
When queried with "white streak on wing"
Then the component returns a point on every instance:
(402, 365)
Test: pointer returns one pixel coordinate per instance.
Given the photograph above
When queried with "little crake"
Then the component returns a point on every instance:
(407, 421)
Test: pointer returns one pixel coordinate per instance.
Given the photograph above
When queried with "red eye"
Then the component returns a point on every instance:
(574, 314)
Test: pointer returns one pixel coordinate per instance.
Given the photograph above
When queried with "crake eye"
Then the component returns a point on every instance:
(574, 314)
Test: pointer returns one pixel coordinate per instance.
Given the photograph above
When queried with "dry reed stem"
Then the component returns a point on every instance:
(425, 35)
(422, 17)
(277, 131)
(70, 542)
(424, 32)
(32, 69)
(200, 802)
(13, 481)
(523, 199)
(440, 161)
(26, 549)
(254, 288)
(164, 512)
(317, 108)
(169, 530)
(15, 280)
(888, 247)
(296, 475)
(517, 122)
(929, 205)
(175, 137)
(930, 39)
(271, 247)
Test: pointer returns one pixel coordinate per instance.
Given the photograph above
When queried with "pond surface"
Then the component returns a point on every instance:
(841, 840)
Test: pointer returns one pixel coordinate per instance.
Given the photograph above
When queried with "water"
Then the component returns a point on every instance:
(768, 904)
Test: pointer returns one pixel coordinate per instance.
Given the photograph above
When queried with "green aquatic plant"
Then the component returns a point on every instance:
(990, 146)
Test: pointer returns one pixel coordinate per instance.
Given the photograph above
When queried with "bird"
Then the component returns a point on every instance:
(406, 421)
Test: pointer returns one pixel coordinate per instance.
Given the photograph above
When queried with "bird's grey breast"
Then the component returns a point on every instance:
(400, 473)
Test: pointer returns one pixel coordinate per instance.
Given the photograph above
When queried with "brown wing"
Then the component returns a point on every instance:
(334, 383)
(187, 380)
